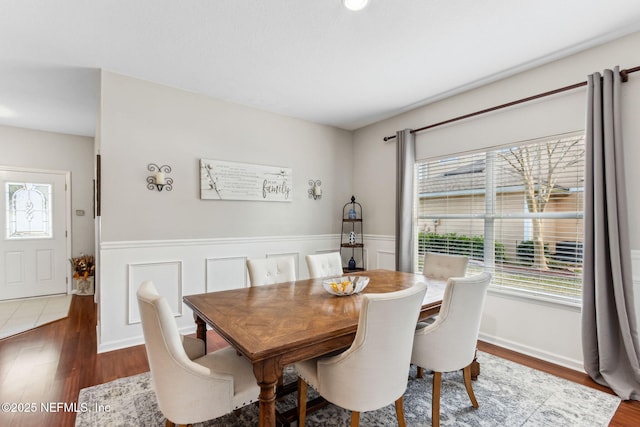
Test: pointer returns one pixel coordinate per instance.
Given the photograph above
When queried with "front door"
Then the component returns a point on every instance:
(33, 245)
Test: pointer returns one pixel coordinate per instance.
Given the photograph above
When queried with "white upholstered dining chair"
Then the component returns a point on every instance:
(190, 386)
(443, 266)
(449, 344)
(324, 265)
(267, 271)
(372, 372)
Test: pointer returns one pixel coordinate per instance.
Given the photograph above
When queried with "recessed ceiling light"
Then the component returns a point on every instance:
(355, 4)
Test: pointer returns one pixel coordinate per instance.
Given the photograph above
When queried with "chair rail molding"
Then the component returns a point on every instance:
(115, 245)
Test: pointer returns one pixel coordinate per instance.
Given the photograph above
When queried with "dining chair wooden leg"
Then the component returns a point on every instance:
(302, 402)
(435, 404)
(355, 418)
(419, 372)
(475, 366)
(400, 412)
(466, 373)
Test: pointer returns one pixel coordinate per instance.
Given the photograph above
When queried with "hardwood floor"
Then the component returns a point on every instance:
(49, 365)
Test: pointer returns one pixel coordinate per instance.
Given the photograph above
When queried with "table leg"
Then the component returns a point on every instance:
(267, 373)
(201, 331)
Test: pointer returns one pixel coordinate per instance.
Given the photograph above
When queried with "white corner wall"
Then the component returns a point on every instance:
(546, 330)
(143, 122)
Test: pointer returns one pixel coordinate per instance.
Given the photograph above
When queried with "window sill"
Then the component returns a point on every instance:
(533, 297)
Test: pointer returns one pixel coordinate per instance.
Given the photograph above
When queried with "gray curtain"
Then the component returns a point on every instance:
(609, 330)
(405, 161)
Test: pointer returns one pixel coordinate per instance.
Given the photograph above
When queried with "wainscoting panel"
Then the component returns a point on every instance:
(386, 259)
(166, 277)
(226, 273)
(181, 267)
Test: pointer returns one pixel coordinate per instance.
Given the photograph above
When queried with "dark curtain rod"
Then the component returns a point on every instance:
(623, 73)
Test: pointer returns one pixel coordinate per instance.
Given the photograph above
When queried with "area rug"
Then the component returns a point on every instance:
(509, 394)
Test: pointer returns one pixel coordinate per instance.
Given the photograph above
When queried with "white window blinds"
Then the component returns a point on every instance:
(515, 211)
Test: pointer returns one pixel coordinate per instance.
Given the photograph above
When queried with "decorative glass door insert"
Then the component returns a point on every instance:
(28, 210)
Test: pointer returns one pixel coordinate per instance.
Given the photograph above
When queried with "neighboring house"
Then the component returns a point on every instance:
(453, 187)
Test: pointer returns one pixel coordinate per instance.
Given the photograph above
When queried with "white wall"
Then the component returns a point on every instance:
(546, 330)
(185, 244)
(54, 151)
(143, 122)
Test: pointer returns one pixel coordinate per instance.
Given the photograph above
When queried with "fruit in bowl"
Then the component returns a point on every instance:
(346, 285)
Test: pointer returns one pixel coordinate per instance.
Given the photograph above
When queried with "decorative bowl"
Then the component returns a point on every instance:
(345, 285)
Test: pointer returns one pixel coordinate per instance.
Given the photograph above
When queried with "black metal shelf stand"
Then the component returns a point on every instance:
(352, 243)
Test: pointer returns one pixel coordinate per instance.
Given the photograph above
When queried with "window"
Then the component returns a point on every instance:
(28, 210)
(515, 211)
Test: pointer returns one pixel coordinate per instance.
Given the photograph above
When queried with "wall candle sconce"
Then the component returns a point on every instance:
(159, 180)
(315, 191)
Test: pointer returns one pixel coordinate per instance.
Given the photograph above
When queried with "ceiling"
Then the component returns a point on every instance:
(310, 59)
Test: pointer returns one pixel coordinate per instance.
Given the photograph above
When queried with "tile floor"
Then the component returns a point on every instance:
(21, 315)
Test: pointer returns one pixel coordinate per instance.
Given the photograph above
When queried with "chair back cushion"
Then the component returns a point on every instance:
(449, 343)
(324, 265)
(161, 335)
(444, 266)
(373, 372)
(267, 271)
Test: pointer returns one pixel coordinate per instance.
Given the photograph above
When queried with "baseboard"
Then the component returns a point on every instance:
(133, 341)
(566, 362)
(119, 344)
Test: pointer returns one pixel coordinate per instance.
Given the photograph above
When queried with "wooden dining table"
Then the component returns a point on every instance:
(277, 325)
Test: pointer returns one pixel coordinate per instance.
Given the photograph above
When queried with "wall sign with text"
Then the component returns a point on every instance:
(221, 180)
